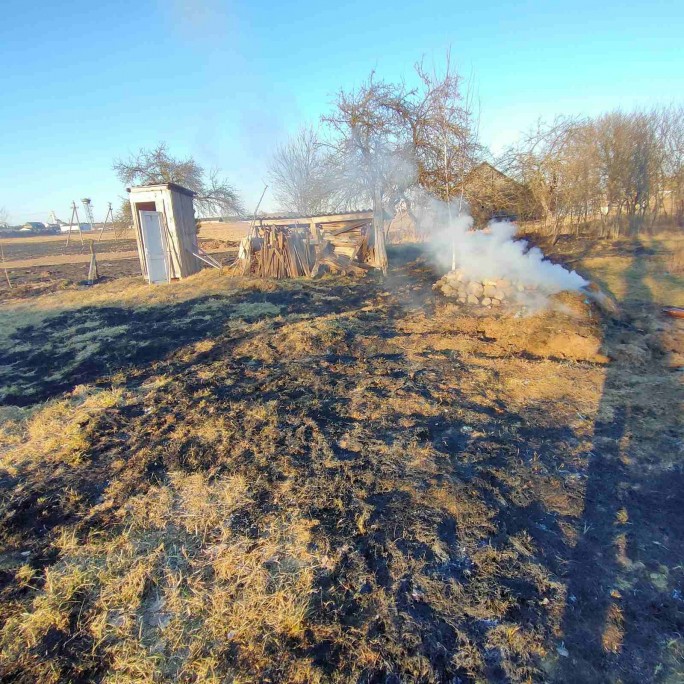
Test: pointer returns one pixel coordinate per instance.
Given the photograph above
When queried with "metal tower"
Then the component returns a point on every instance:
(87, 207)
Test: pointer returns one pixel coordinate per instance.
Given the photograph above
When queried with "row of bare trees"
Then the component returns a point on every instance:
(615, 174)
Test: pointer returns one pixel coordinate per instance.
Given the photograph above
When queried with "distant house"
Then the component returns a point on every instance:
(492, 195)
(404, 225)
(75, 227)
(33, 227)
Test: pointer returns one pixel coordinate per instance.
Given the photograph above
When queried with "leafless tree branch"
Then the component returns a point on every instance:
(214, 195)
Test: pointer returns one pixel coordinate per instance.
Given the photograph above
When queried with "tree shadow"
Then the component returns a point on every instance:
(623, 604)
(89, 344)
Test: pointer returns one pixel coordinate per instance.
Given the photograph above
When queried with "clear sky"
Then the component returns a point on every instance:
(84, 82)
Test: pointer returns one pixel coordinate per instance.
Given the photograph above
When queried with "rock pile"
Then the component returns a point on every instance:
(487, 293)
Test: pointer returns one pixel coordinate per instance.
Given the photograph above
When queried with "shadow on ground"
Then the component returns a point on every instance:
(624, 618)
(89, 344)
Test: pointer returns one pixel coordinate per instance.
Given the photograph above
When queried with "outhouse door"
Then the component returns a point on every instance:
(154, 244)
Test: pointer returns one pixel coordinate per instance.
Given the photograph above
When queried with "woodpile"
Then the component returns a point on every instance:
(352, 239)
(276, 252)
(291, 252)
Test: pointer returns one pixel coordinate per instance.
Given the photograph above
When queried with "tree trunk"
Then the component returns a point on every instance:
(378, 226)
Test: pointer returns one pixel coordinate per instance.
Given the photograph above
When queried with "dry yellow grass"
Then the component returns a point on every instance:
(233, 231)
(55, 431)
(652, 275)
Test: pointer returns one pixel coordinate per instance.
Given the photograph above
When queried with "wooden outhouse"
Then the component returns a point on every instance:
(166, 232)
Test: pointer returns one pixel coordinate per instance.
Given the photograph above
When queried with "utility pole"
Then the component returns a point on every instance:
(448, 203)
(110, 218)
(74, 214)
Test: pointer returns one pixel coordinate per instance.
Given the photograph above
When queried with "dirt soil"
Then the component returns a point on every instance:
(340, 481)
(34, 281)
(47, 246)
(59, 269)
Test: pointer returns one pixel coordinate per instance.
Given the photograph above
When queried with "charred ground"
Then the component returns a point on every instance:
(339, 481)
(41, 265)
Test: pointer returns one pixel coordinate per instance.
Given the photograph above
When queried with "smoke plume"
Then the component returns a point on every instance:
(492, 253)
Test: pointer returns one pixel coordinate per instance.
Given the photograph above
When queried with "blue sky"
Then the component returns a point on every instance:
(84, 82)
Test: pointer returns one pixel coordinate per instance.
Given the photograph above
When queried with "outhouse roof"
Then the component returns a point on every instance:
(162, 186)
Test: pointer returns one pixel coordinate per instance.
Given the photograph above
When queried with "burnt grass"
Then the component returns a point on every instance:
(33, 281)
(141, 336)
(473, 538)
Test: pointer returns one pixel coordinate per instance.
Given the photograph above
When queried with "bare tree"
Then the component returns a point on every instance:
(443, 130)
(389, 138)
(123, 219)
(214, 195)
(443, 135)
(4, 216)
(610, 174)
(630, 166)
(301, 173)
(550, 161)
(670, 131)
(373, 155)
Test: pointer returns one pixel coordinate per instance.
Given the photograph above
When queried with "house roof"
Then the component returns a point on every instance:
(487, 166)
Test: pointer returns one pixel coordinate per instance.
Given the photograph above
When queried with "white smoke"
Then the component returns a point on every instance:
(489, 254)
(492, 253)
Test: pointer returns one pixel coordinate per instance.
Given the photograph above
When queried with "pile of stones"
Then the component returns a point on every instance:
(492, 292)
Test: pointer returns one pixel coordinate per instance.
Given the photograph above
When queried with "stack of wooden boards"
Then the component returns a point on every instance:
(353, 239)
(277, 252)
(290, 252)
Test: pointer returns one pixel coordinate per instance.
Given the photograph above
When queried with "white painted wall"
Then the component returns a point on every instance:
(179, 225)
